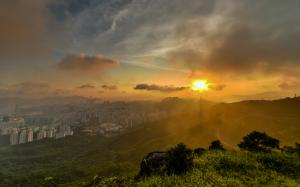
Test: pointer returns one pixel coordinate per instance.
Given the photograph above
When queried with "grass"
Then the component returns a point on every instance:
(227, 168)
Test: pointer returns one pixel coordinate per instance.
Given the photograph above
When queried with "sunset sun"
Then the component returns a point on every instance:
(199, 85)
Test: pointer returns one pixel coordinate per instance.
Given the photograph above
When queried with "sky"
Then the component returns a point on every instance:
(150, 49)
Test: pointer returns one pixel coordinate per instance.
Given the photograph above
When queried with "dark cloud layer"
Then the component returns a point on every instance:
(260, 36)
(290, 85)
(86, 86)
(86, 63)
(244, 49)
(154, 87)
(109, 87)
(217, 87)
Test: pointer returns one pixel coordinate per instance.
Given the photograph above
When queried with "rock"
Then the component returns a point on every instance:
(152, 164)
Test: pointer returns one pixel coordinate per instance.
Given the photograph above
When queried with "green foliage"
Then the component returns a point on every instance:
(216, 145)
(259, 142)
(179, 159)
(226, 168)
(291, 149)
(199, 151)
(112, 182)
(49, 182)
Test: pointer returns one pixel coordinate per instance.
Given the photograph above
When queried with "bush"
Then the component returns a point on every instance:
(199, 151)
(291, 149)
(49, 182)
(259, 142)
(286, 165)
(179, 160)
(216, 145)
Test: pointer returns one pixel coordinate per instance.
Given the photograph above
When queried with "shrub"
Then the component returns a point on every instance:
(179, 159)
(286, 165)
(199, 151)
(291, 149)
(49, 182)
(259, 142)
(216, 145)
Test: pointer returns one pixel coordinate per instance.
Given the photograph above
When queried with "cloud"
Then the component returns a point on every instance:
(33, 90)
(217, 87)
(86, 63)
(25, 89)
(124, 25)
(109, 87)
(241, 38)
(24, 29)
(185, 57)
(245, 50)
(86, 86)
(291, 85)
(154, 87)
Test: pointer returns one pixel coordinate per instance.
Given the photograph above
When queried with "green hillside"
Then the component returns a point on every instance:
(229, 168)
(79, 158)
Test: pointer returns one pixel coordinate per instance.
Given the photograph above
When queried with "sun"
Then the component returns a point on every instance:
(199, 85)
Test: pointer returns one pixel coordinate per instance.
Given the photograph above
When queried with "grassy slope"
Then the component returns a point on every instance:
(81, 157)
(228, 169)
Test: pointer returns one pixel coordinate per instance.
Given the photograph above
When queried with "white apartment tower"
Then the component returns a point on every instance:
(14, 137)
(29, 135)
(23, 137)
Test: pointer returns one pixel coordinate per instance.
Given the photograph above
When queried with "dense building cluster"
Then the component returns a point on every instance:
(33, 122)
(16, 131)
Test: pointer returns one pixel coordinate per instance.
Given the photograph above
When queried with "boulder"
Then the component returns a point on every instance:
(152, 164)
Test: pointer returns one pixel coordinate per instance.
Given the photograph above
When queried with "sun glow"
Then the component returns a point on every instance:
(199, 85)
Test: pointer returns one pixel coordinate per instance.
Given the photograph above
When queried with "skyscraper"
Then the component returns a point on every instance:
(14, 137)
(29, 135)
(23, 136)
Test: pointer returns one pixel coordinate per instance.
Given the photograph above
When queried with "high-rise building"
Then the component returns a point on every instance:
(14, 137)
(64, 130)
(23, 136)
(50, 133)
(30, 135)
(41, 134)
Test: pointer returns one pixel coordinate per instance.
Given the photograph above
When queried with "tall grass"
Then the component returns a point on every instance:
(228, 168)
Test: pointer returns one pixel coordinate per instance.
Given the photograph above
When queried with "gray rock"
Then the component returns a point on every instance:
(152, 164)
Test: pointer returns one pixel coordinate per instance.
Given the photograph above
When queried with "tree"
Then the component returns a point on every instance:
(259, 142)
(216, 145)
(199, 151)
(179, 159)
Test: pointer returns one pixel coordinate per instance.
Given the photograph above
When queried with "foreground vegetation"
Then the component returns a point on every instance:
(260, 162)
(226, 168)
(259, 165)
